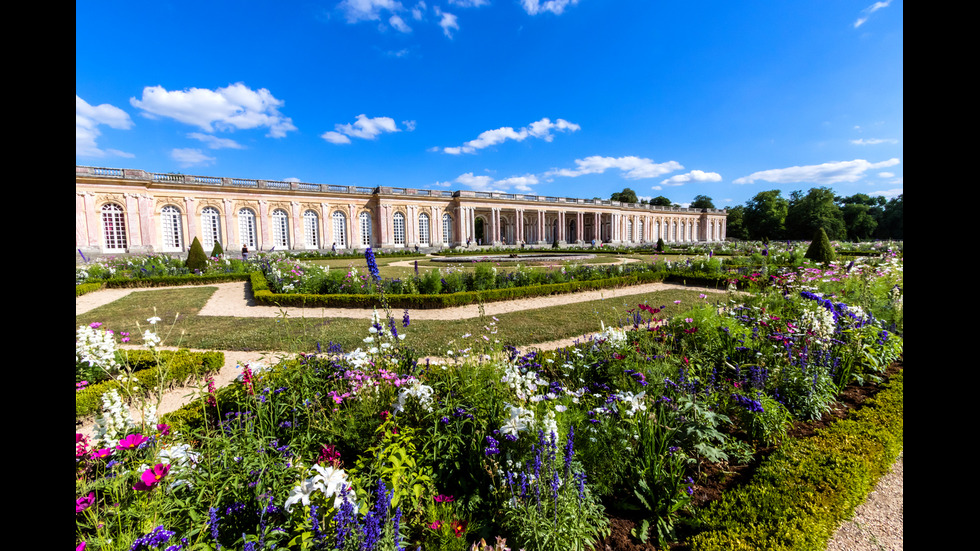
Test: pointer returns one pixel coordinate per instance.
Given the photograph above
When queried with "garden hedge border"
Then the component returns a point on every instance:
(801, 494)
(181, 365)
(167, 281)
(262, 294)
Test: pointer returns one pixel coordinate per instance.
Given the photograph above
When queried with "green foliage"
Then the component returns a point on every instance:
(217, 251)
(765, 215)
(816, 209)
(197, 260)
(702, 202)
(820, 249)
(625, 196)
(800, 495)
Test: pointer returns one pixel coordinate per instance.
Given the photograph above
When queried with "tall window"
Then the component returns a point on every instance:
(339, 229)
(210, 228)
(311, 230)
(170, 216)
(246, 228)
(423, 229)
(641, 236)
(114, 228)
(365, 219)
(629, 229)
(447, 228)
(399, 223)
(280, 229)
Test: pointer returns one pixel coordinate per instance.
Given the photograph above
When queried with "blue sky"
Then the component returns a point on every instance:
(574, 98)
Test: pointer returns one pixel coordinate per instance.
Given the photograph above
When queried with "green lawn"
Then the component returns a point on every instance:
(182, 326)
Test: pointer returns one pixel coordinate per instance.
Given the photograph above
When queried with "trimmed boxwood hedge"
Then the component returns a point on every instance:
(801, 494)
(262, 294)
(180, 365)
(167, 281)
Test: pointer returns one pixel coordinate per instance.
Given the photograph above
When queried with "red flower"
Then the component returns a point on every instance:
(459, 528)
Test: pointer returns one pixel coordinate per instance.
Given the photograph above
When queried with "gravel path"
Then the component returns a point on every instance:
(877, 524)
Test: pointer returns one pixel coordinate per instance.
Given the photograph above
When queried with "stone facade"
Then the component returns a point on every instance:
(120, 211)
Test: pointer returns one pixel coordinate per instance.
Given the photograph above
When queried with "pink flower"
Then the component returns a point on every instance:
(164, 429)
(83, 503)
(131, 442)
(444, 499)
(99, 454)
(151, 477)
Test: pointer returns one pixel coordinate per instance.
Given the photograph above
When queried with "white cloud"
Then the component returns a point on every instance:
(534, 7)
(399, 24)
(88, 118)
(873, 141)
(233, 107)
(367, 10)
(633, 168)
(486, 183)
(418, 11)
(364, 128)
(214, 142)
(888, 193)
(189, 157)
(692, 176)
(448, 22)
(866, 13)
(823, 174)
(541, 129)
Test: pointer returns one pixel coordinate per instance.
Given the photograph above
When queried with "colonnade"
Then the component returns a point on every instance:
(124, 211)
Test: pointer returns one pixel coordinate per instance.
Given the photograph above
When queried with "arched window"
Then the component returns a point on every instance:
(311, 229)
(246, 228)
(210, 228)
(399, 230)
(172, 238)
(642, 236)
(113, 228)
(339, 229)
(629, 229)
(365, 219)
(423, 229)
(447, 229)
(280, 229)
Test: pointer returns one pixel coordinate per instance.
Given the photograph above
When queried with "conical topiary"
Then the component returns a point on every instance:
(217, 251)
(820, 249)
(660, 244)
(197, 261)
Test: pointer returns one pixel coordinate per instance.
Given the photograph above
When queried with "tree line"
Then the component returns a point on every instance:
(769, 215)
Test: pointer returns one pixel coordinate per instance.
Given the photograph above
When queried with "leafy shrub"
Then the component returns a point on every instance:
(820, 249)
(197, 261)
(217, 251)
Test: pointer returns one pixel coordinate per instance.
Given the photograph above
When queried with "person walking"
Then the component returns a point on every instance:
(244, 253)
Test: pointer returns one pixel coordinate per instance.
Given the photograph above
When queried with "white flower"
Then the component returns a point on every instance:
(301, 493)
(417, 390)
(519, 420)
(153, 320)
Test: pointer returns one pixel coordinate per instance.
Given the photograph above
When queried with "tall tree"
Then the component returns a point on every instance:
(661, 201)
(735, 223)
(625, 196)
(892, 226)
(702, 202)
(808, 213)
(765, 215)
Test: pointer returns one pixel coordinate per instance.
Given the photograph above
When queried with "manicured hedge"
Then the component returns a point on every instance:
(262, 294)
(167, 281)
(179, 366)
(87, 288)
(801, 494)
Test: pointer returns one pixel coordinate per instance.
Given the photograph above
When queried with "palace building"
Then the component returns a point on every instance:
(120, 211)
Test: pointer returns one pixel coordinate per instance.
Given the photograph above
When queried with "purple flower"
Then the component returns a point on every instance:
(372, 264)
(405, 320)
(85, 502)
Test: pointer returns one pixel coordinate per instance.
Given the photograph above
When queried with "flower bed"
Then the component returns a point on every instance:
(369, 449)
